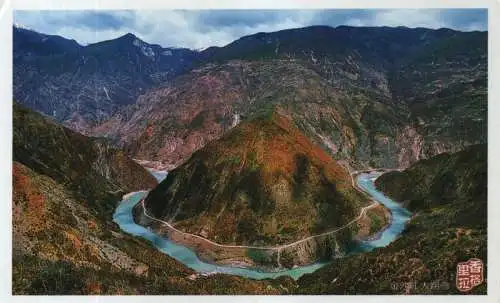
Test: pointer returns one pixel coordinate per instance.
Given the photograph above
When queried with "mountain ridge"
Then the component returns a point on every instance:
(256, 134)
(371, 124)
(109, 97)
(255, 161)
(80, 86)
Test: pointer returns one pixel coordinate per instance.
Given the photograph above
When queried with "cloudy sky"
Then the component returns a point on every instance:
(204, 28)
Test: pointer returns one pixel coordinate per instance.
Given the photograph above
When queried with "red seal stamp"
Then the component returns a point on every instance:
(469, 274)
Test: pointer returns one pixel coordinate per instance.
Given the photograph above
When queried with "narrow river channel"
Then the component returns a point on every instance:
(123, 217)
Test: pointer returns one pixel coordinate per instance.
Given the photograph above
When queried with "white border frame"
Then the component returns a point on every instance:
(6, 131)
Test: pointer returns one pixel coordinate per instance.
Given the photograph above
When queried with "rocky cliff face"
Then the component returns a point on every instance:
(80, 86)
(169, 124)
(383, 97)
(264, 183)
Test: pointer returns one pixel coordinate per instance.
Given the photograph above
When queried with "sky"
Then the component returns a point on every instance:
(199, 29)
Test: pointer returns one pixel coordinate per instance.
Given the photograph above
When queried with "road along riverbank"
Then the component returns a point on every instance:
(239, 260)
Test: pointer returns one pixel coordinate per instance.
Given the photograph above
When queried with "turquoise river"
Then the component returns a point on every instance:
(123, 217)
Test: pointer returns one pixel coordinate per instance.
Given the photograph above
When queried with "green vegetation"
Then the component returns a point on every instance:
(440, 180)
(98, 173)
(253, 164)
(65, 244)
(268, 175)
(233, 159)
(451, 228)
(197, 122)
(382, 97)
(376, 223)
(259, 256)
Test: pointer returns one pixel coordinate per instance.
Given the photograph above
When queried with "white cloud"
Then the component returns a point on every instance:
(183, 28)
(475, 26)
(355, 22)
(176, 28)
(84, 36)
(409, 18)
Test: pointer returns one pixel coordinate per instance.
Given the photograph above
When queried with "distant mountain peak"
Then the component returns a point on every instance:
(22, 26)
(128, 36)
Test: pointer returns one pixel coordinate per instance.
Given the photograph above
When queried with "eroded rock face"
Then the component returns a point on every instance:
(80, 86)
(202, 107)
(358, 89)
(370, 102)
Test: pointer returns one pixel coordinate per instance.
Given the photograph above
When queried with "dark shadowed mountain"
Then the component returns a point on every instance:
(440, 180)
(27, 43)
(83, 85)
(99, 173)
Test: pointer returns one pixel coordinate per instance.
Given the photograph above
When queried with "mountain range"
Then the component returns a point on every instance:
(260, 138)
(80, 86)
(379, 97)
(372, 96)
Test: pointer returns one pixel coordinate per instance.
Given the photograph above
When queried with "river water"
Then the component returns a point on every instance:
(123, 217)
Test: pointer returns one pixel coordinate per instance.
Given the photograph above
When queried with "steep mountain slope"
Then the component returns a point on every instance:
(263, 183)
(83, 85)
(28, 43)
(169, 124)
(65, 187)
(449, 193)
(89, 166)
(445, 86)
(383, 97)
(439, 180)
(61, 248)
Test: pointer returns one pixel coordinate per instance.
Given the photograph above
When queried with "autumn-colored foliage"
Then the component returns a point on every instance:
(93, 287)
(27, 196)
(92, 224)
(263, 183)
(73, 239)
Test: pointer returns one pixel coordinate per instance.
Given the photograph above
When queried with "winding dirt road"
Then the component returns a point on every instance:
(280, 247)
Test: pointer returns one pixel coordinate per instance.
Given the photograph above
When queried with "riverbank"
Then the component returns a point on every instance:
(186, 255)
(302, 252)
(387, 212)
(328, 245)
